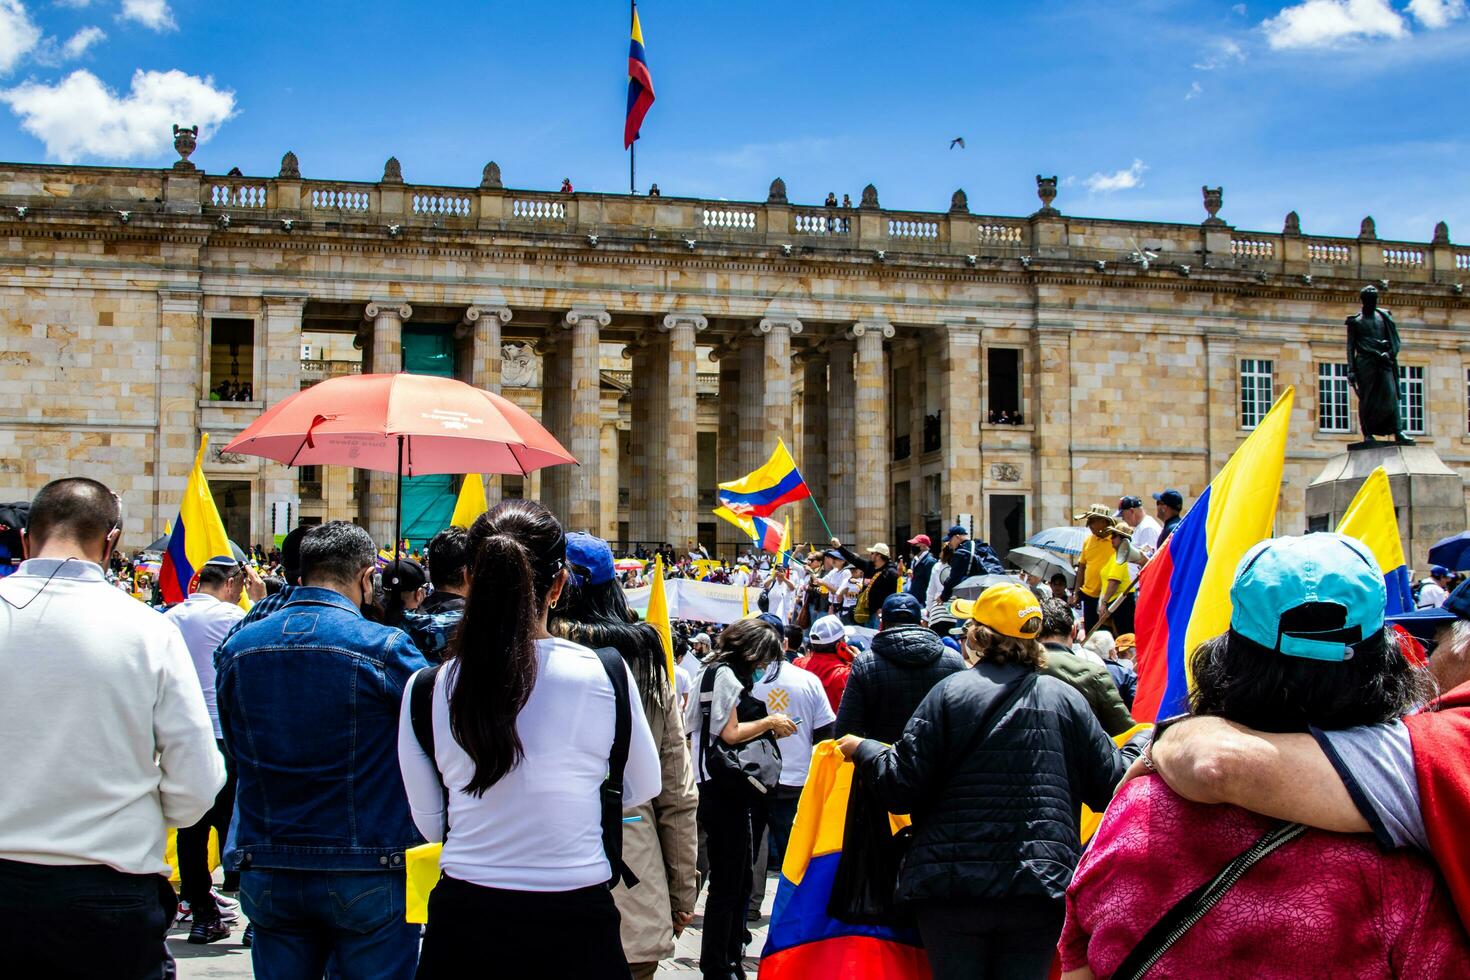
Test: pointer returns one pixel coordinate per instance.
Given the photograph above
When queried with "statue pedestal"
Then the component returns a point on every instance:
(1428, 496)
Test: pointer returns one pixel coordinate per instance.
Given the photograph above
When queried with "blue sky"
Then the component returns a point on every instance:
(1336, 108)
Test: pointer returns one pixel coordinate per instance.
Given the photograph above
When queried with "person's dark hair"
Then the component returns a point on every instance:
(273, 584)
(795, 638)
(745, 646)
(1056, 619)
(336, 551)
(291, 554)
(448, 556)
(598, 616)
(518, 550)
(999, 649)
(75, 507)
(1237, 679)
(213, 576)
(815, 647)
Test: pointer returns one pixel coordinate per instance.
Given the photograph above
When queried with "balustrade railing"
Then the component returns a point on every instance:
(824, 221)
(913, 229)
(1327, 253)
(1399, 257)
(995, 233)
(237, 195)
(339, 198)
(729, 219)
(442, 204)
(1252, 248)
(538, 209)
(1462, 261)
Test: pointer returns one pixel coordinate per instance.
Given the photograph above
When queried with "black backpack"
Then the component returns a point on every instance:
(420, 714)
(13, 518)
(971, 558)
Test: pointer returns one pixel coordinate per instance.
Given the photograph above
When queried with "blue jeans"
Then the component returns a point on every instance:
(355, 918)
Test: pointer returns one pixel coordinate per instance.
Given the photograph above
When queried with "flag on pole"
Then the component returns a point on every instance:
(197, 535)
(658, 614)
(760, 493)
(471, 503)
(1371, 519)
(1184, 591)
(640, 84)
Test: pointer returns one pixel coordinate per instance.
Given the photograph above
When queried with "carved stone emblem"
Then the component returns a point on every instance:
(392, 172)
(1005, 473)
(1293, 224)
(490, 176)
(290, 168)
(519, 366)
(870, 197)
(959, 203)
(778, 192)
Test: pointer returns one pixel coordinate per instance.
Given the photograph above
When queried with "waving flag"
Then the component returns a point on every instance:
(640, 84)
(658, 614)
(471, 503)
(803, 940)
(760, 493)
(1372, 520)
(197, 536)
(1184, 592)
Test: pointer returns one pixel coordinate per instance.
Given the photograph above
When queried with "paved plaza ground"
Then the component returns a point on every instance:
(228, 959)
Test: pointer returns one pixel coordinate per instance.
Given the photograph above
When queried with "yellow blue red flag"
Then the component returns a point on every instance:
(640, 84)
(1184, 591)
(1371, 519)
(758, 494)
(198, 535)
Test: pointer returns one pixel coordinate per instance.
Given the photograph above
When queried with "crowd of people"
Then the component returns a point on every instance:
(497, 694)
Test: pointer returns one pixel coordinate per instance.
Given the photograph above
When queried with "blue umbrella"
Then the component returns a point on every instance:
(1451, 552)
(1062, 540)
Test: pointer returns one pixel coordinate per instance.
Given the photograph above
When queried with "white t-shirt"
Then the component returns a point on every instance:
(539, 828)
(836, 583)
(726, 697)
(1431, 596)
(204, 621)
(798, 694)
(683, 684)
(740, 577)
(781, 599)
(1146, 535)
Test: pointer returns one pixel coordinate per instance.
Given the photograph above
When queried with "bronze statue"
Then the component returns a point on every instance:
(1373, 371)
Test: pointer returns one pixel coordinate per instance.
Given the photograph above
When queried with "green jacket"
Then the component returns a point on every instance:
(1094, 683)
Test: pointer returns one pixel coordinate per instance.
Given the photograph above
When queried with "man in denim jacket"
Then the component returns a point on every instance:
(308, 701)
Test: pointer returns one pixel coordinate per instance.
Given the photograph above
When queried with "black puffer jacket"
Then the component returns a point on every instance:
(1000, 821)
(888, 682)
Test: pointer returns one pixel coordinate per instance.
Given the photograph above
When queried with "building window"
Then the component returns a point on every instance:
(310, 482)
(1411, 398)
(1255, 392)
(1333, 409)
(1003, 374)
(1007, 522)
(231, 359)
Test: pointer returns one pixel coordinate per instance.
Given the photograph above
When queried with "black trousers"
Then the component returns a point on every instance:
(193, 843)
(1122, 619)
(84, 921)
(1000, 939)
(1089, 611)
(477, 931)
(729, 820)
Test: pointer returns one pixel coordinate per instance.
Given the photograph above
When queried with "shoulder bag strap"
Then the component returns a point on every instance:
(1010, 694)
(1192, 907)
(612, 786)
(421, 716)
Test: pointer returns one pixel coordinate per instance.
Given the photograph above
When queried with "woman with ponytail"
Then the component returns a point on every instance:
(523, 726)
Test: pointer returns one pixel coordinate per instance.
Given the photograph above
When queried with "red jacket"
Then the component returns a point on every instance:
(1441, 738)
(832, 669)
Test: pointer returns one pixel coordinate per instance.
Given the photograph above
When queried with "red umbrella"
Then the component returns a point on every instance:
(408, 424)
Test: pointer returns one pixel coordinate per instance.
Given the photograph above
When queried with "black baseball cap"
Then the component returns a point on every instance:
(1171, 497)
(901, 607)
(1129, 502)
(956, 529)
(403, 575)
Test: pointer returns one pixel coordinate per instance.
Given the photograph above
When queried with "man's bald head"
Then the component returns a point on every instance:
(74, 508)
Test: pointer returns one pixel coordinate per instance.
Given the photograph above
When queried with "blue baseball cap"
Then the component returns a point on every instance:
(956, 529)
(1281, 574)
(591, 554)
(1423, 624)
(1171, 497)
(901, 608)
(1439, 571)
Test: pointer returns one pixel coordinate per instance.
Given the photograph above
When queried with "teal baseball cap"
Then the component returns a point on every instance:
(1284, 574)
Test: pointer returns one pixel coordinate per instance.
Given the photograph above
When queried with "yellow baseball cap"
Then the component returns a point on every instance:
(1011, 609)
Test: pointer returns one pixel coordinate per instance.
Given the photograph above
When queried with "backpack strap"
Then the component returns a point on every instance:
(421, 716)
(612, 786)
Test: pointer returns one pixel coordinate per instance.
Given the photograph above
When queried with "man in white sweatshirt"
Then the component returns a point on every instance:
(104, 743)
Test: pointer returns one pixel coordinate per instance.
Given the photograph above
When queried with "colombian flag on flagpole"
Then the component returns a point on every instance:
(1184, 591)
(640, 84)
(760, 493)
(197, 536)
(1371, 519)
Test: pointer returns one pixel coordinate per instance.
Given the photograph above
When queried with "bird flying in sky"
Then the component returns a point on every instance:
(957, 141)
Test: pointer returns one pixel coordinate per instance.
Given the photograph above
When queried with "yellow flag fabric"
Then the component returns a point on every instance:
(1089, 821)
(471, 503)
(658, 614)
(744, 523)
(197, 535)
(422, 863)
(1371, 519)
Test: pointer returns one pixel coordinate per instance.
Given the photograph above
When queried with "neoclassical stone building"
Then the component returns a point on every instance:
(922, 366)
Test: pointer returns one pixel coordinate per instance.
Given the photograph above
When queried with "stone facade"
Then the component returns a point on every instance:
(666, 339)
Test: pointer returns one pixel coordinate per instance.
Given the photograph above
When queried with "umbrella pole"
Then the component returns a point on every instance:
(398, 517)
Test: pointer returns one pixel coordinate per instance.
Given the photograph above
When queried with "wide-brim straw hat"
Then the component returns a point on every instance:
(1095, 510)
(1121, 529)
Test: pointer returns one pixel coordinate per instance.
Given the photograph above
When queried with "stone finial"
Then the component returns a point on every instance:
(1046, 189)
(290, 167)
(392, 172)
(1368, 231)
(777, 193)
(1214, 199)
(490, 177)
(185, 140)
(1293, 224)
(870, 197)
(959, 203)
(1441, 234)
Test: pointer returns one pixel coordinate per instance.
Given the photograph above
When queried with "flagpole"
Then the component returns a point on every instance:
(632, 187)
(821, 518)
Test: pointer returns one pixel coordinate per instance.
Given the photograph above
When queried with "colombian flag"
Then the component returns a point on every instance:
(1371, 519)
(197, 536)
(769, 534)
(760, 493)
(640, 84)
(803, 941)
(1184, 592)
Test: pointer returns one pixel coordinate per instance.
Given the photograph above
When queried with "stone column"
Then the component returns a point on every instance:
(874, 488)
(585, 325)
(482, 325)
(610, 474)
(1222, 396)
(959, 425)
(842, 473)
(281, 363)
(1053, 413)
(175, 443)
(556, 402)
(727, 447)
(813, 458)
(776, 386)
(640, 477)
(386, 317)
(753, 448)
(681, 455)
(660, 422)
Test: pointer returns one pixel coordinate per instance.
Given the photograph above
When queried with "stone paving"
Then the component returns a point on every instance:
(228, 959)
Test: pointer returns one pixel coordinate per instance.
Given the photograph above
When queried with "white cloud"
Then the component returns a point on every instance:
(18, 34)
(152, 14)
(80, 117)
(1239, 8)
(1194, 92)
(83, 39)
(1435, 14)
(1324, 23)
(1223, 52)
(1121, 180)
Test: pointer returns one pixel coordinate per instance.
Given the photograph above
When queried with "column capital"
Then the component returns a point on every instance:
(473, 314)
(580, 315)
(963, 328)
(635, 347)
(697, 320)
(881, 328)
(387, 307)
(284, 302)
(773, 322)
